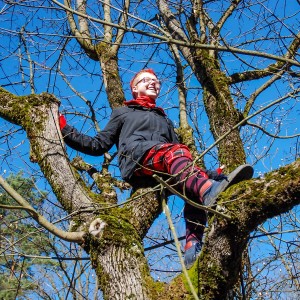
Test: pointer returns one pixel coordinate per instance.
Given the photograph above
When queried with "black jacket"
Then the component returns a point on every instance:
(134, 130)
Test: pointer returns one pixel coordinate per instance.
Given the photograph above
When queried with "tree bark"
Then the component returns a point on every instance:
(249, 204)
(217, 99)
(117, 254)
(111, 77)
(38, 116)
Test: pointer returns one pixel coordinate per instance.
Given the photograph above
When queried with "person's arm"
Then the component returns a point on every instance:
(96, 145)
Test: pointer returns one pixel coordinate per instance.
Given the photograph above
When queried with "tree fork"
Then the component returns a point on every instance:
(250, 203)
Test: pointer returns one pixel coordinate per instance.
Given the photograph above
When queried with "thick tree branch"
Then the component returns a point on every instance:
(82, 34)
(199, 14)
(107, 29)
(249, 203)
(83, 23)
(172, 23)
(274, 68)
(38, 116)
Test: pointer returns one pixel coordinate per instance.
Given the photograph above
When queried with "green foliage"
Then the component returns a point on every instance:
(19, 239)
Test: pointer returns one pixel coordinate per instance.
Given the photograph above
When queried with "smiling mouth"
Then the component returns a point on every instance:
(152, 88)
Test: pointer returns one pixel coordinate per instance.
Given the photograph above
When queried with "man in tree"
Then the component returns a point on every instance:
(147, 143)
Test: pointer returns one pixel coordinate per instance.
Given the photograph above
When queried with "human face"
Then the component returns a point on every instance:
(146, 84)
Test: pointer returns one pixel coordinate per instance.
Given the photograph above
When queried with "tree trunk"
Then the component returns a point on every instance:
(112, 81)
(121, 272)
(249, 204)
(220, 109)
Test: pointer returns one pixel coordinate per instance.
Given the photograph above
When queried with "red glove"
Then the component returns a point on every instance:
(62, 121)
(220, 169)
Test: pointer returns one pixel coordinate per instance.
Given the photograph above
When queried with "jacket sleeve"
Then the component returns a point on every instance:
(98, 144)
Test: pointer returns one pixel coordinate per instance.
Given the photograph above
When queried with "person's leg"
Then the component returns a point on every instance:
(171, 159)
(195, 220)
(189, 179)
(193, 182)
(243, 172)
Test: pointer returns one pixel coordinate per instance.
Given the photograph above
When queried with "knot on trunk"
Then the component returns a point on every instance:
(97, 227)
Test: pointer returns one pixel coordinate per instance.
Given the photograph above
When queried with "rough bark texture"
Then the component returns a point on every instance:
(117, 261)
(38, 115)
(109, 65)
(222, 114)
(249, 204)
(118, 254)
(253, 203)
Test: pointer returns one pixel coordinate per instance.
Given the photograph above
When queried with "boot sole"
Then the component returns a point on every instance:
(241, 173)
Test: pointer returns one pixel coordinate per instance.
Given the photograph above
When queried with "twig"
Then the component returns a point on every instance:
(67, 236)
(203, 207)
(168, 215)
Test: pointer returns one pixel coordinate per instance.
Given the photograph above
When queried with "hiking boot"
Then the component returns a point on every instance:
(192, 251)
(243, 172)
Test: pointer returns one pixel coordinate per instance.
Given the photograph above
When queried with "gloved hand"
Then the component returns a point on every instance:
(62, 121)
(216, 175)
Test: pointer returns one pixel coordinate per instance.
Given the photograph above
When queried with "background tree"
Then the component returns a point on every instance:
(231, 64)
(19, 237)
(30, 258)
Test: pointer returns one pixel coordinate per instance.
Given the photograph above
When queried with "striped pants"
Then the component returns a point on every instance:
(187, 179)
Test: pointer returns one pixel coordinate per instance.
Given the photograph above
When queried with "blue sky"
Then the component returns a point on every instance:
(85, 76)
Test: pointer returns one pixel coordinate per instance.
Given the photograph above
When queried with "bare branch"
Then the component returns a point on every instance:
(67, 236)
(258, 91)
(31, 71)
(273, 135)
(272, 68)
(233, 5)
(82, 35)
(184, 41)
